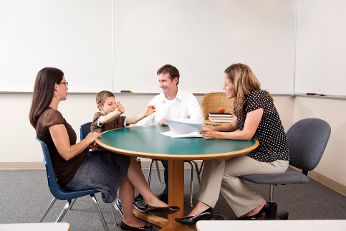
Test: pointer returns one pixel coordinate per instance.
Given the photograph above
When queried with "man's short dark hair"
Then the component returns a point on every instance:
(171, 70)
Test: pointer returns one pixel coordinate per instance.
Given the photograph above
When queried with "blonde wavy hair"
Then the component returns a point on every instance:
(244, 82)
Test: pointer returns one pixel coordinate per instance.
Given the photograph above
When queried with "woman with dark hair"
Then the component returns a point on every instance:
(77, 168)
(255, 117)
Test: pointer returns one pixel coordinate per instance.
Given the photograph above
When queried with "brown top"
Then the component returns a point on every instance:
(114, 124)
(64, 169)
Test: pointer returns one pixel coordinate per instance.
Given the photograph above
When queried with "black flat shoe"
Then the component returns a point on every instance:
(264, 210)
(125, 226)
(191, 220)
(160, 210)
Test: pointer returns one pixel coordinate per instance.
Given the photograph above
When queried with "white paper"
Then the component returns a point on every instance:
(182, 129)
(174, 135)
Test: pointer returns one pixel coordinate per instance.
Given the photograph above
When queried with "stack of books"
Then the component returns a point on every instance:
(220, 117)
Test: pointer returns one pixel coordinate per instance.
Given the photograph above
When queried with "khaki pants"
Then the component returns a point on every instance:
(223, 176)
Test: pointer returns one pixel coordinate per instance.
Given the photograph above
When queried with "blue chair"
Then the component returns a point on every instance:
(307, 140)
(61, 193)
(84, 130)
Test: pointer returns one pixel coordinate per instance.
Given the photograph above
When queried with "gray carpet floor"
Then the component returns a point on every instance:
(24, 196)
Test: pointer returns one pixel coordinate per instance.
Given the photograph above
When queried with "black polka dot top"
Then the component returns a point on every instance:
(270, 132)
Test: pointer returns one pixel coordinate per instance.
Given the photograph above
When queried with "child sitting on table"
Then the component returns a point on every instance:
(110, 113)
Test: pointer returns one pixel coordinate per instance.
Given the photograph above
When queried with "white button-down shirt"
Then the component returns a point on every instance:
(184, 107)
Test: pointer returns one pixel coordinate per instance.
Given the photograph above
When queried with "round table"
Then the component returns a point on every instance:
(148, 142)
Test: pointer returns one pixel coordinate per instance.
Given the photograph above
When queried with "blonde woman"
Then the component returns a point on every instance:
(255, 118)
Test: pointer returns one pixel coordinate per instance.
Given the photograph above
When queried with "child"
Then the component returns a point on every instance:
(110, 113)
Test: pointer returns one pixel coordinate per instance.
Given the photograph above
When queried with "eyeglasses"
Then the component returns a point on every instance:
(64, 82)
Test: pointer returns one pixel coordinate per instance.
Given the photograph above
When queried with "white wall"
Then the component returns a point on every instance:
(333, 111)
(320, 67)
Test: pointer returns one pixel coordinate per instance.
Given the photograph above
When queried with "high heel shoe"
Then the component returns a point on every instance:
(125, 226)
(264, 209)
(191, 220)
(160, 210)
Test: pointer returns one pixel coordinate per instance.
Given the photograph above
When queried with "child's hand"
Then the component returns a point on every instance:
(149, 110)
(120, 107)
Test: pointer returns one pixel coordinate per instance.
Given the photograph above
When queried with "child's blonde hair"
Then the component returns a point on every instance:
(102, 96)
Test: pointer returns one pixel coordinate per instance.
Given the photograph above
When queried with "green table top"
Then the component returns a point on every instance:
(148, 142)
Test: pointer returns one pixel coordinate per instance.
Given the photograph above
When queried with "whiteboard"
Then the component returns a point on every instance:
(120, 44)
(202, 38)
(321, 50)
(73, 35)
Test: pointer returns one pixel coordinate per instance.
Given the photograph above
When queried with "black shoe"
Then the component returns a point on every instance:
(148, 209)
(138, 198)
(191, 220)
(264, 210)
(125, 226)
(139, 203)
(163, 197)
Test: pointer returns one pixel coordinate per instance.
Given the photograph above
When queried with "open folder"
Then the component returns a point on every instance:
(178, 129)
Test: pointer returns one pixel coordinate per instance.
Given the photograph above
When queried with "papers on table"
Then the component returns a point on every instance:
(182, 129)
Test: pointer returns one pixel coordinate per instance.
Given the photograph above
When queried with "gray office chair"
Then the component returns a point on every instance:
(307, 140)
(193, 167)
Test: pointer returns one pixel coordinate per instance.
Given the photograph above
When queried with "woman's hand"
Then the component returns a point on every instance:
(91, 137)
(210, 135)
(208, 132)
(207, 128)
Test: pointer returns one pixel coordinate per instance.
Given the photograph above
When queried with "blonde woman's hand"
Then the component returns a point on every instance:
(207, 128)
(208, 132)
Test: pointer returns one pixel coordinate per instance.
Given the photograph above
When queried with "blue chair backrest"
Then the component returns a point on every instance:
(84, 130)
(307, 140)
(52, 184)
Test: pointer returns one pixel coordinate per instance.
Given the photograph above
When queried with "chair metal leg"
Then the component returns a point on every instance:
(197, 171)
(150, 169)
(99, 212)
(191, 183)
(73, 201)
(115, 210)
(158, 171)
(272, 205)
(64, 211)
(48, 209)
(200, 169)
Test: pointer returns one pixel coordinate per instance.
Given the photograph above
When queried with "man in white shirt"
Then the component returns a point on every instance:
(172, 104)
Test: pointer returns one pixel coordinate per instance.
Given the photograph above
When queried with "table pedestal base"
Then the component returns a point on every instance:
(175, 197)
